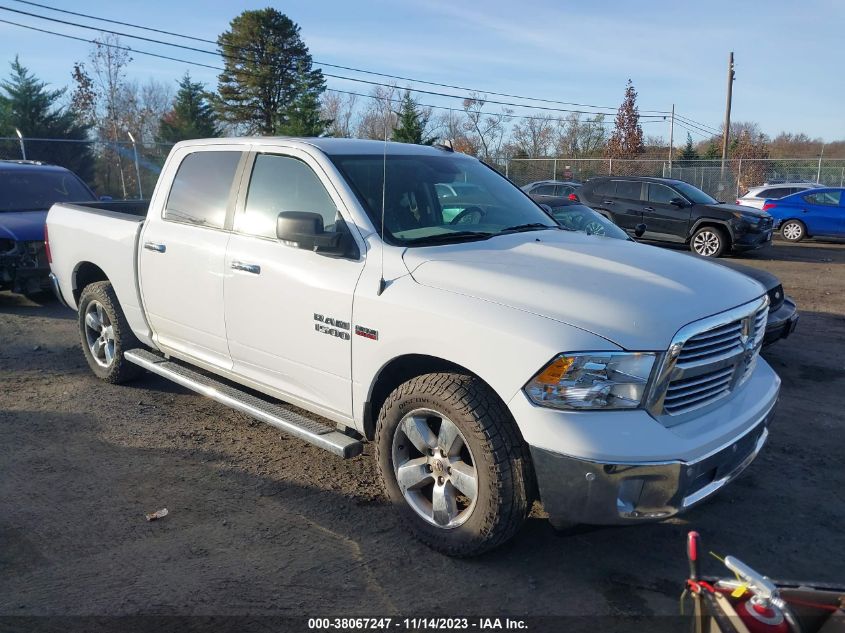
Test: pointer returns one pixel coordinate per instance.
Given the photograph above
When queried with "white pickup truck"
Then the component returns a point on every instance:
(413, 297)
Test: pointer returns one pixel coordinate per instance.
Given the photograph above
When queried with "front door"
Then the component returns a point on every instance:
(664, 221)
(823, 213)
(289, 310)
(181, 261)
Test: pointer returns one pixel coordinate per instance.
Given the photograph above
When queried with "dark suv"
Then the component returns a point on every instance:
(675, 211)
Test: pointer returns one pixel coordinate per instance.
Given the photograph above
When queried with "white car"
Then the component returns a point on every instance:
(757, 196)
(492, 356)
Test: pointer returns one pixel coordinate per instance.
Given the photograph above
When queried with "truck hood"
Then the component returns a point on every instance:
(23, 226)
(634, 295)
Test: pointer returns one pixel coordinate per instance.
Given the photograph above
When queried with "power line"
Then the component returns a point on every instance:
(702, 126)
(692, 130)
(319, 63)
(217, 68)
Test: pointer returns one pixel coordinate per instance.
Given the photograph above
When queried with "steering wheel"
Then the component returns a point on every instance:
(470, 215)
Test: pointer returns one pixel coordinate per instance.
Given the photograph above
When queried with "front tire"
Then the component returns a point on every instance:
(454, 464)
(793, 231)
(105, 334)
(708, 241)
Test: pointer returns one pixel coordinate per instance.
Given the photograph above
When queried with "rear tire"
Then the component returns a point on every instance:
(709, 241)
(793, 231)
(467, 482)
(105, 334)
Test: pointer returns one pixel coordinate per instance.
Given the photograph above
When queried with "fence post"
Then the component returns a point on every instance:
(738, 177)
(554, 169)
(507, 164)
(610, 167)
(842, 177)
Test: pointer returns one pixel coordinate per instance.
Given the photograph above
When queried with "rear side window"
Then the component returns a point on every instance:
(563, 190)
(544, 190)
(629, 189)
(776, 192)
(824, 198)
(200, 191)
(605, 188)
(282, 183)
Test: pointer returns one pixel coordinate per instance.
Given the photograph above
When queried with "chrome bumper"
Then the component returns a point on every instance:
(581, 491)
(54, 284)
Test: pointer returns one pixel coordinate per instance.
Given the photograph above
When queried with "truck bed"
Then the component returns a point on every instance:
(99, 239)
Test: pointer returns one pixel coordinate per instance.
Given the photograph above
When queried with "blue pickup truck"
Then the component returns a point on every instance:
(27, 191)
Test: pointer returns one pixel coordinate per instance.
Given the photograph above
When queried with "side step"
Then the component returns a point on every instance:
(288, 421)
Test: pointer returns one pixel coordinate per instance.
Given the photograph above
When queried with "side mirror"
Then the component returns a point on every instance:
(678, 202)
(639, 230)
(302, 229)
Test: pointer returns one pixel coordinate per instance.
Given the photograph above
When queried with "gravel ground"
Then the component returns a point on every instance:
(261, 524)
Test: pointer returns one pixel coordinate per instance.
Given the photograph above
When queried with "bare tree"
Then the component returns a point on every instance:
(484, 131)
(379, 118)
(534, 136)
(577, 138)
(340, 109)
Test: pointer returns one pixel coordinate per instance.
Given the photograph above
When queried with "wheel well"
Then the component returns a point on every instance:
(713, 225)
(85, 274)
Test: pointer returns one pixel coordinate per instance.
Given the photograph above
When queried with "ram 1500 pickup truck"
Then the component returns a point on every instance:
(493, 357)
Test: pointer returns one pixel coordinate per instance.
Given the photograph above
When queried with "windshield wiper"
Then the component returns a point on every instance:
(531, 226)
(453, 236)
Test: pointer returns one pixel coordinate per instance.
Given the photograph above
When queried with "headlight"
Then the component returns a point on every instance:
(593, 380)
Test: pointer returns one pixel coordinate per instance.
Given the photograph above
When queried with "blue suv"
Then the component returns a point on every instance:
(27, 191)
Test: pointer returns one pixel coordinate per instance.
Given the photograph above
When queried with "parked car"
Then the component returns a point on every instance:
(27, 190)
(493, 358)
(756, 196)
(675, 211)
(820, 212)
(783, 313)
(552, 188)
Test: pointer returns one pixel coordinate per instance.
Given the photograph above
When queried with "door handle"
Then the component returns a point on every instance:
(648, 208)
(255, 269)
(154, 246)
(607, 202)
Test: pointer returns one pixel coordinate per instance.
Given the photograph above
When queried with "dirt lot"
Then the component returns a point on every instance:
(261, 524)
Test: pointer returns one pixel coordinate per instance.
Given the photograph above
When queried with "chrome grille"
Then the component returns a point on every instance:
(710, 359)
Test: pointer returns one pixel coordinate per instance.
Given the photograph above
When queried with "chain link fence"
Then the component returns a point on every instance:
(118, 169)
(738, 176)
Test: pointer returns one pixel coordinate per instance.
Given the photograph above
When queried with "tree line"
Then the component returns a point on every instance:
(269, 86)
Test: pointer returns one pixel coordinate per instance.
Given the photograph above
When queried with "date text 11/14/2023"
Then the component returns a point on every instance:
(416, 624)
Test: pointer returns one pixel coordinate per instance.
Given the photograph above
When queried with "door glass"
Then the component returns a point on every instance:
(282, 183)
(661, 194)
(200, 191)
(824, 198)
(629, 189)
(544, 190)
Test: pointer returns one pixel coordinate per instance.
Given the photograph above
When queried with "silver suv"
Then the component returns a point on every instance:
(756, 196)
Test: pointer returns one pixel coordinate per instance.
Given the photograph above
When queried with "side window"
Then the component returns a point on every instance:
(282, 183)
(661, 194)
(200, 191)
(629, 189)
(605, 188)
(544, 190)
(563, 190)
(824, 198)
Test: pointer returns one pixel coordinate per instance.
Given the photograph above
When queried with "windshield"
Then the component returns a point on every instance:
(578, 217)
(37, 190)
(431, 199)
(694, 194)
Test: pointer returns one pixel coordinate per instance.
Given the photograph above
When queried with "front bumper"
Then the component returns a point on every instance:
(781, 322)
(752, 240)
(24, 268)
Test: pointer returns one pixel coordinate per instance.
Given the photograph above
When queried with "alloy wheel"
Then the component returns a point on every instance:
(434, 468)
(706, 243)
(99, 334)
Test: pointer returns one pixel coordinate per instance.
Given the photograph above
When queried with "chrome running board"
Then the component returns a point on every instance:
(284, 419)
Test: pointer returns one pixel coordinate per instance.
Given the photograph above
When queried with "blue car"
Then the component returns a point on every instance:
(810, 213)
(27, 191)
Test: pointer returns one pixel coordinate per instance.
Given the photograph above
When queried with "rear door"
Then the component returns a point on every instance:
(289, 310)
(181, 260)
(627, 203)
(664, 220)
(822, 212)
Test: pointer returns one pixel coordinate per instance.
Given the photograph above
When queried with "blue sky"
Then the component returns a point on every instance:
(789, 55)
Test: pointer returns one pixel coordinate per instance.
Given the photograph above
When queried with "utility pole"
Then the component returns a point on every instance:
(671, 135)
(819, 171)
(137, 167)
(726, 133)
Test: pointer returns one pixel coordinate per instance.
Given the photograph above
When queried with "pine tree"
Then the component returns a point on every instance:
(688, 152)
(192, 115)
(626, 141)
(29, 106)
(268, 85)
(412, 123)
